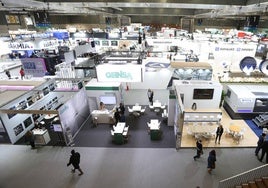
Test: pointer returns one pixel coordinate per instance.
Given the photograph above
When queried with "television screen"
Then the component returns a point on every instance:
(27, 122)
(108, 99)
(203, 93)
(114, 43)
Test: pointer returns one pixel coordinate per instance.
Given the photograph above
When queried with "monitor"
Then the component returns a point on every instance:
(108, 99)
(203, 93)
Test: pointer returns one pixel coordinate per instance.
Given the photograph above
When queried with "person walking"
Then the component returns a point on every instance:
(199, 149)
(259, 143)
(211, 161)
(75, 161)
(218, 134)
(264, 150)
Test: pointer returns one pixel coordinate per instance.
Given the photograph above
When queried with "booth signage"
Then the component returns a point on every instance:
(20, 46)
(50, 43)
(34, 66)
(119, 73)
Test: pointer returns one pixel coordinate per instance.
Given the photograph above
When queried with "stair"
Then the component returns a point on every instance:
(258, 183)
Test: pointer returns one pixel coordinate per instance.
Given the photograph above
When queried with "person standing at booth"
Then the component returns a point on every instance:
(150, 94)
(29, 137)
(122, 108)
(22, 73)
(116, 116)
(219, 132)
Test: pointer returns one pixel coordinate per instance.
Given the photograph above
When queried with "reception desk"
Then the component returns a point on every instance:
(41, 137)
(103, 116)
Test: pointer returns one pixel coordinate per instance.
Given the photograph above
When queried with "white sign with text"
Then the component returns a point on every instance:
(119, 73)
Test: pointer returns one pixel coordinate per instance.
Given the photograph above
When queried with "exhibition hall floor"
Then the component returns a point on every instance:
(119, 167)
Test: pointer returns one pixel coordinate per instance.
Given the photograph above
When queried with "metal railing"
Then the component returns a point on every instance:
(244, 177)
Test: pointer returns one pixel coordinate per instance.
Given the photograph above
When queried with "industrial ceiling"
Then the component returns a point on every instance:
(227, 9)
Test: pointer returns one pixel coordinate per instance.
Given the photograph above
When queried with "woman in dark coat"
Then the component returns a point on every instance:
(211, 160)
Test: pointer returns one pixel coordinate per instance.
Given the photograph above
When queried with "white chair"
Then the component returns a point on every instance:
(112, 132)
(126, 129)
(143, 110)
(130, 110)
(148, 124)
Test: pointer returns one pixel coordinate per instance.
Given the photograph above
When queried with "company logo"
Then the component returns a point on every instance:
(157, 65)
(19, 46)
(50, 43)
(121, 74)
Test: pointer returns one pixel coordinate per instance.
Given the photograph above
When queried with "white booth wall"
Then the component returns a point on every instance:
(156, 74)
(95, 89)
(73, 114)
(186, 89)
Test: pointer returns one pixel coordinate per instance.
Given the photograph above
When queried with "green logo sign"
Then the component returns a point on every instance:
(121, 74)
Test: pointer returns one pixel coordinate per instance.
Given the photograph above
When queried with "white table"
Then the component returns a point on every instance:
(119, 128)
(154, 124)
(202, 129)
(136, 108)
(157, 104)
(103, 116)
(41, 137)
(50, 116)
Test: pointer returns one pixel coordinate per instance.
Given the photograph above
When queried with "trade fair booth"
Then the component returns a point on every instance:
(53, 116)
(110, 93)
(197, 101)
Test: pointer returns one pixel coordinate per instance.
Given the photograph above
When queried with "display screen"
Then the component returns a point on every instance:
(203, 93)
(27, 122)
(108, 99)
(114, 43)
(18, 129)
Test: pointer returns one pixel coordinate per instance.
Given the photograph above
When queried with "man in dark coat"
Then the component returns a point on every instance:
(199, 149)
(259, 143)
(75, 161)
(264, 150)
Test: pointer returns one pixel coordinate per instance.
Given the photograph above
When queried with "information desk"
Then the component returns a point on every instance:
(41, 137)
(103, 116)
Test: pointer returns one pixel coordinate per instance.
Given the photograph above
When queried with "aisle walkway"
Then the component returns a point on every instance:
(118, 168)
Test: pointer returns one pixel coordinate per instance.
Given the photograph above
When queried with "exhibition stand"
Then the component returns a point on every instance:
(43, 107)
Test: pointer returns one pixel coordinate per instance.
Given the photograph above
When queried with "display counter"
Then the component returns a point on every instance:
(41, 137)
(103, 116)
(202, 115)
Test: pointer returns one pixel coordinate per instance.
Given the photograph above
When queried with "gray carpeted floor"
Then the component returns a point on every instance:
(118, 167)
(100, 136)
